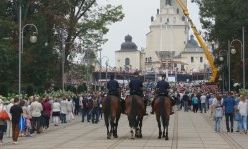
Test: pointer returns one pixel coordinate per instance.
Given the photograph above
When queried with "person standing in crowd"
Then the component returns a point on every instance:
(218, 113)
(203, 99)
(56, 112)
(16, 112)
(229, 106)
(70, 108)
(35, 110)
(2, 122)
(195, 103)
(95, 112)
(9, 123)
(77, 105)
(27, 116)
(85, 108)
(242, 107)
(185, 100)
(63, 111)
(47, 108)
(237, 116)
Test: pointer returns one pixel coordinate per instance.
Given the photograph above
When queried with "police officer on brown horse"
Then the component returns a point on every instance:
(113, 87)
(162, 89)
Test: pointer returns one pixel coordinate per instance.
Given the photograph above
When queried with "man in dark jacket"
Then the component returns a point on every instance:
(136, 85)
(113, 87)
(161, 90)
(15, 112)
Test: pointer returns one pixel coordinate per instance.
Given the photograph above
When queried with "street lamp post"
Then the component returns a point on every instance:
(100, 75)
(233, 49)
(61, 33)
(228, 54)
(33, 39)
(106, 72)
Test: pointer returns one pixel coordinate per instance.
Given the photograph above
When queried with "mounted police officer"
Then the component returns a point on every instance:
(113, 87)
(162, 89)
(114, 90)
(136, 85)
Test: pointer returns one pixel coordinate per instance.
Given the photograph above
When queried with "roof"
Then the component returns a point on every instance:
(128, 45)
(192, 43)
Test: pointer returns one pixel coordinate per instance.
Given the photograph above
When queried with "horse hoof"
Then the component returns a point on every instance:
(115, 136)
(108, 137)
(166, 138)
(159, 137)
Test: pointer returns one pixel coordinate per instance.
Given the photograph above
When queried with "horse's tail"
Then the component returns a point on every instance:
(133, 106)
(133, 112)
(162, 108)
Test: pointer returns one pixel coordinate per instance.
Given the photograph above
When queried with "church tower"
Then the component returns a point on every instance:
(168, 35)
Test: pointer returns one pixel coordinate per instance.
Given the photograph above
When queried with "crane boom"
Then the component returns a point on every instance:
(202, 43)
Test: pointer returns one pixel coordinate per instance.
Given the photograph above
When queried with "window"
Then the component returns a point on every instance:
(175, 65)
(168, 20)
(168, 2)
(201, 59)
(183, 18)
(177, 11)
(146, 59)
(127, 61)
(192, 59)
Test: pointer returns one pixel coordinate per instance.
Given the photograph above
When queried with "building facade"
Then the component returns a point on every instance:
(168, 46)
(128, 57)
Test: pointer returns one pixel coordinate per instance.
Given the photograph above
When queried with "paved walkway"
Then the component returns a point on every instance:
(187, 131)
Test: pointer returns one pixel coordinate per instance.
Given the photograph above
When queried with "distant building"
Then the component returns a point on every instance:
(128, 57)
(168, 46)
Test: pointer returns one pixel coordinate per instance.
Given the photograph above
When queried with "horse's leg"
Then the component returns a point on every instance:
(159, 126)
(112, 125)
(116, 126)
(167, 127)
(140, 126)
(107, 126)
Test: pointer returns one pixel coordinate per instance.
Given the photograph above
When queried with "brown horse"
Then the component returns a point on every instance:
(112, 112)
(135, 110)
(162, 106)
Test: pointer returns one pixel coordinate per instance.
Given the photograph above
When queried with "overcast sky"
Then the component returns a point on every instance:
(136, 23)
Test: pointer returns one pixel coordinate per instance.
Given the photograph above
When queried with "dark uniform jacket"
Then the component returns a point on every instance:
(136, 86)
(162, 87)
(113, 87)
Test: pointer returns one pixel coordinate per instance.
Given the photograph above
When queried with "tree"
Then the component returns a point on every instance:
(223, 21)
(84, 21)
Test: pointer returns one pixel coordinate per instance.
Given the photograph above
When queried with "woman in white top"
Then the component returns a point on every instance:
(56, 112)
(242, 107)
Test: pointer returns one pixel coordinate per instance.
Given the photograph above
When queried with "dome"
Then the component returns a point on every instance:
(128, 44)
(192, 43)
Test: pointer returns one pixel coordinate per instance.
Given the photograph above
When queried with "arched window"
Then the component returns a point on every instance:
(127, 61)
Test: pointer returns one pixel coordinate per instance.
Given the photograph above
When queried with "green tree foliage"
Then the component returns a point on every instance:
(223, 21)
(84, 22)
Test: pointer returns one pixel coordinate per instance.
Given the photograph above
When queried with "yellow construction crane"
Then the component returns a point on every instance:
(202, 43)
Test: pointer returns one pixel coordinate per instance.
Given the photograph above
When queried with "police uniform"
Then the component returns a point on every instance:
(162, 87)
(136, 86)
(113, 88)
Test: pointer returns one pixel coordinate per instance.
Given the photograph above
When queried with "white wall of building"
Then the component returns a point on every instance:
(134, 57)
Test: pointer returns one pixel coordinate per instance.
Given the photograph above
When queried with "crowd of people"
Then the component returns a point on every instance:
(229, 105)
(34, 114)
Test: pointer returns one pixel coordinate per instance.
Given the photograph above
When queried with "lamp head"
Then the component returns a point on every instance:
(233, 51)
(221, 59)
(33, 38)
